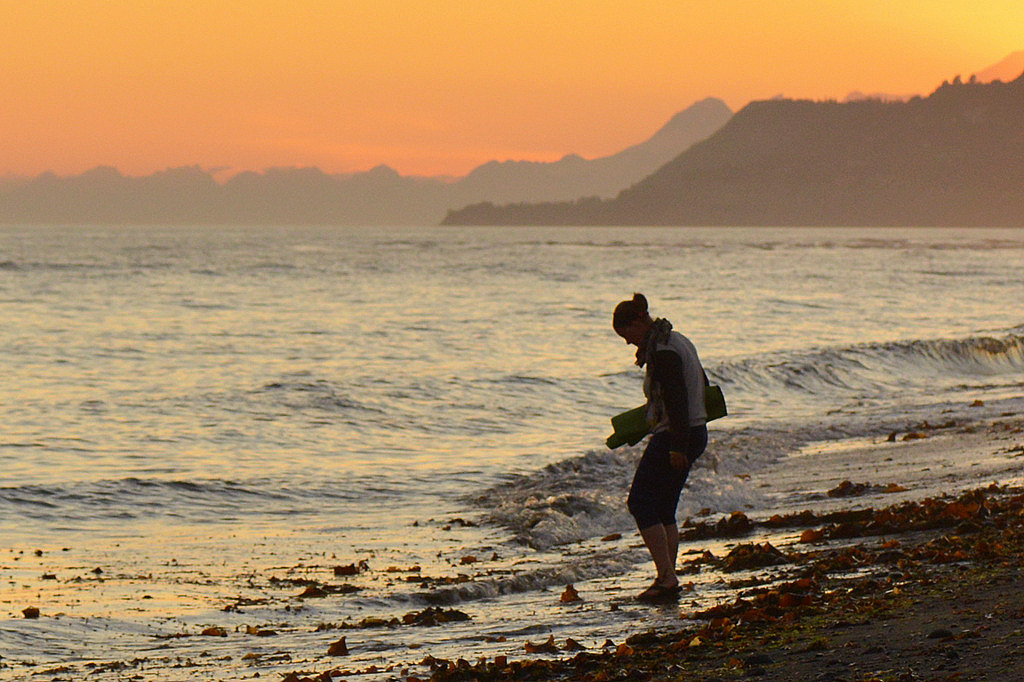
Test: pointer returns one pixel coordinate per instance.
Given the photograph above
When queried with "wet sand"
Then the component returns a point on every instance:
(938, 605)
(882, 567)
(925, 588)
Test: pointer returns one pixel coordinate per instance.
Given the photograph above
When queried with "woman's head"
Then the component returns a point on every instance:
(631, 320)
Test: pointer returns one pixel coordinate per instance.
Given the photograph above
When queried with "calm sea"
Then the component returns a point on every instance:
(196, 411)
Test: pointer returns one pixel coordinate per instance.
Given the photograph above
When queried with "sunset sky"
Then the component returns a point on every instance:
(437, 87)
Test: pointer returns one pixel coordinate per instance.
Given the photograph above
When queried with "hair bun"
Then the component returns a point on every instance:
(628, 311)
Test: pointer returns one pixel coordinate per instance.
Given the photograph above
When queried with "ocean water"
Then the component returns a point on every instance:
(196, 421)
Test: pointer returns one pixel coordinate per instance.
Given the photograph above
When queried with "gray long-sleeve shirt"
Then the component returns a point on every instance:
(674, 386)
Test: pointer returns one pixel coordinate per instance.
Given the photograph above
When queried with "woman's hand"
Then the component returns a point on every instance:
(679, 461)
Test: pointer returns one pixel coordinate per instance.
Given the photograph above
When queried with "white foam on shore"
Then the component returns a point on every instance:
(760, 472)
(946, 461)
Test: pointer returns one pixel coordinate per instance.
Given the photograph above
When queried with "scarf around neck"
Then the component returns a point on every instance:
(657, 334)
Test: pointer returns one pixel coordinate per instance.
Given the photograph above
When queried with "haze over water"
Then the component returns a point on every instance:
(212, 406)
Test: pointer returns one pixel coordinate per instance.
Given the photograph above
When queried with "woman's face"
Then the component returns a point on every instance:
(634, 332)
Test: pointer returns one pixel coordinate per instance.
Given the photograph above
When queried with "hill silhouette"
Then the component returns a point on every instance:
(191, 195)
(573, 176)
(954, 158)
(1005, 70)
(380, 196)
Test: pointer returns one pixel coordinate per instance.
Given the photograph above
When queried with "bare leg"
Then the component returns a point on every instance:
(657, 540)
(672, 536)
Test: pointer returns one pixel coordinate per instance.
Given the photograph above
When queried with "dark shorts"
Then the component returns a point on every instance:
(654, 495)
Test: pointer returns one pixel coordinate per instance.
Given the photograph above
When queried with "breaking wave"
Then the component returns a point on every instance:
(584, 497)
(196, 501)
(916, 371)
(876, 364)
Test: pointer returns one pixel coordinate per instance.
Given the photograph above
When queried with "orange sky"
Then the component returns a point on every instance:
(439, 86)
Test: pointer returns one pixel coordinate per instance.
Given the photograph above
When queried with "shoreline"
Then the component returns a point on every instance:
(829, 552)
(936, 596)
(942, 602)
(879, 582)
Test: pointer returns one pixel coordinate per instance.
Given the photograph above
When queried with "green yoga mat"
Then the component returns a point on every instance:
(714, 402)
(631, 426)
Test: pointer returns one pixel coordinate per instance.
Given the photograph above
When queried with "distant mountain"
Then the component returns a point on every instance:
(953, 158)
(574, 176)
(190, 195)
(858, 96)
(308, 195)
(1006, 70)
(380, 196)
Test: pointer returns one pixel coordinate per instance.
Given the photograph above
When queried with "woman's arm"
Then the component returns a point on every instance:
(667, 372)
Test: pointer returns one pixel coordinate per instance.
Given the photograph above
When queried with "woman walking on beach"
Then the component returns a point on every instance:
(674, 387)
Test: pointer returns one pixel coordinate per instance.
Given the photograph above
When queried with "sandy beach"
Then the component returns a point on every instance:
(938, 602)
(920, 588)
(850, 576)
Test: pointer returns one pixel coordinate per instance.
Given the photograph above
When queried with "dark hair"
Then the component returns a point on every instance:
(629, 311)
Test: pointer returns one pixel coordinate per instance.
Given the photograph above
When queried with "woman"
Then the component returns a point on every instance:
(674, 386)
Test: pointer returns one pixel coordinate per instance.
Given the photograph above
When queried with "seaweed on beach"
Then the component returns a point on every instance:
(783, 626)
(966, 512)
(430, 616)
